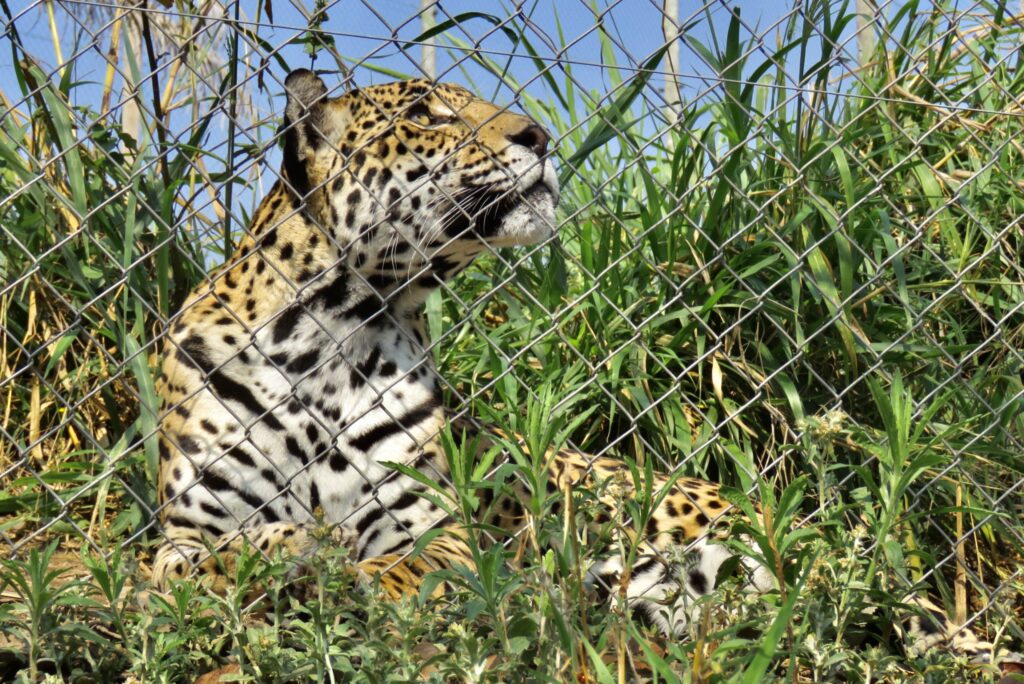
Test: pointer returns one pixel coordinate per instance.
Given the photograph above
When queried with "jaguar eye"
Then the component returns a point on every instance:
(420, 115)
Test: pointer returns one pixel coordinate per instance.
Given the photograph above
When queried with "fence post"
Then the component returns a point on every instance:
(428, 8)
(131, 115)
(670, 30)
(865, 30)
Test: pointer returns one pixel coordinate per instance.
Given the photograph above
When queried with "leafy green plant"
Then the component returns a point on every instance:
(37, 618)
(807, 288)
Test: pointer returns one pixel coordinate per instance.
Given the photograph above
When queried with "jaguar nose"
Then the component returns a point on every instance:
(533, 137)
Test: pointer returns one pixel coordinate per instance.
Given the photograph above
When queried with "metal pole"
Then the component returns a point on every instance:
(428, 8)
(670, 31)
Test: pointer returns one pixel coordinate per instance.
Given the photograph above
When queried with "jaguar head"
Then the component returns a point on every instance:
(414, 177)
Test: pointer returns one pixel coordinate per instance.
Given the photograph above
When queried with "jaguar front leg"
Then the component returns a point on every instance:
(188, 553)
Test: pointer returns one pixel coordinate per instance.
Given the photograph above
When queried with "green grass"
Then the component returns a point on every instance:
(819, 304)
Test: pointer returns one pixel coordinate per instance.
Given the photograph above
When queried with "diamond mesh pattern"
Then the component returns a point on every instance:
(746, 246)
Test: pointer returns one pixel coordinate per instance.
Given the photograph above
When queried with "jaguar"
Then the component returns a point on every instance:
(301, 369)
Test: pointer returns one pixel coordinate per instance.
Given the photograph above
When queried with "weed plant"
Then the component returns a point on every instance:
(808, 287)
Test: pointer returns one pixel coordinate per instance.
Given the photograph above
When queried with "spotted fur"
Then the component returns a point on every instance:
(303, 365)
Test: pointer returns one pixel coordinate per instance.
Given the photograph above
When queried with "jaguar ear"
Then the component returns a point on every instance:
(304, 90)
(304, 126)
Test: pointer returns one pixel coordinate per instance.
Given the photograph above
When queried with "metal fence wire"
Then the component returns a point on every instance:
(788, 256)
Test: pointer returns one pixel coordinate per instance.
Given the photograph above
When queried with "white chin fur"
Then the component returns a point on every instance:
(533, 219)
(530, 222)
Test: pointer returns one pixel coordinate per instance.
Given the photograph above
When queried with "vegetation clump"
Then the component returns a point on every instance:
(807, 287)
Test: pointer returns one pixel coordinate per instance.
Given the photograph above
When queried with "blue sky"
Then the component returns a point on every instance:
(372, 35)
(366, 32)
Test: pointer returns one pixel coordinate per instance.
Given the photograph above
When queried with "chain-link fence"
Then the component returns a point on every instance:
(788, 258)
